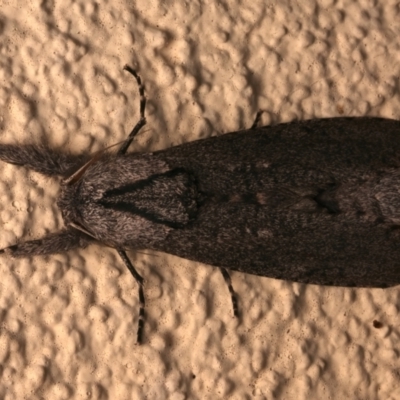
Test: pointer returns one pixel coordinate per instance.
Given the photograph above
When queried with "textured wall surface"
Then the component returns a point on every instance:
(68, 322)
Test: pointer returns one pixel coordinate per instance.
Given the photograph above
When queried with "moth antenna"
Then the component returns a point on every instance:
(77, 175)
(81, 229)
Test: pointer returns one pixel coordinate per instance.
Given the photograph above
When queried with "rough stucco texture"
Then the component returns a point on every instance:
(68, 322)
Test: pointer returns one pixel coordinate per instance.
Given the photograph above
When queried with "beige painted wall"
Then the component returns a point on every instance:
(68, 322)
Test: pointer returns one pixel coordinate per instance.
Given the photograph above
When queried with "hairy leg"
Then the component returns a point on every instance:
(142, 120)
(53, 243)
(39, 158)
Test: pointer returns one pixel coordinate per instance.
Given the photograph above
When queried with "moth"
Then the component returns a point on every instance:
(315, 201)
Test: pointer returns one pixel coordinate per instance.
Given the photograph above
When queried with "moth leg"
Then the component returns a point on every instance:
(142, 120)
(228, 281)
(257, 119)
(139, 281)
(53, 243)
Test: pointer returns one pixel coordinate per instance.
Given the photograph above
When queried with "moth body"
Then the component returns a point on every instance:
(315, 201)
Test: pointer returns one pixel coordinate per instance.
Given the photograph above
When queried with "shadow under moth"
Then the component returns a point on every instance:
(315, 201)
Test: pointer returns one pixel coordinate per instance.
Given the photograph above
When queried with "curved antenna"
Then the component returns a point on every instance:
(77, 175)
(80, 228)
